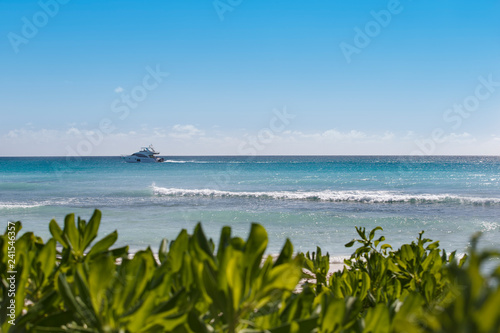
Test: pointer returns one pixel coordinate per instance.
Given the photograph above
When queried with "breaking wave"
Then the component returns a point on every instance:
(19, 206)
(331, 196)
(9, 205)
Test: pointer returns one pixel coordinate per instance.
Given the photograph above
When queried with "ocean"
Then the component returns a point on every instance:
(313, 200)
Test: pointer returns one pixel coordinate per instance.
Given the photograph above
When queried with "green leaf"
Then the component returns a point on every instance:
(297, 326)
(433, 246)
(254, 249)
(283, 277)
(134, 275)
(90, 232)
(46, 258)
(386, 246)
(84, 301)
(81, 226)
(332, 315)
(361, 232)
(71, 233)
(235, 279)
(351, 243)
(103, 245)
(286, 253)
(463, 260)
(372, 233)
(119, 252)
(178, 248)
(17, 227)
(490, 313)
(162, 251)
(381, 239)
(407, 253)
(41, 309)
(224, 241)
(377, 320)
(201, 244)
(69, 298)
(238, 243)
(429, 283)
(57, 233)
(365, 285)
(101, 275)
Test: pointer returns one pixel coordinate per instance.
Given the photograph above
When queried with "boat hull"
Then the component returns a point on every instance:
(135, 159)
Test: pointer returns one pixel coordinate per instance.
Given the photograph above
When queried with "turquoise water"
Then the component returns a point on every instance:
(314, 200)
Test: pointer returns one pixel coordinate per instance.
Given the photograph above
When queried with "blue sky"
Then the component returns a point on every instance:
(68, 66)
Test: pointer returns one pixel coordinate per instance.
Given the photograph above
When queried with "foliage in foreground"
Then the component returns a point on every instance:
(73, 284)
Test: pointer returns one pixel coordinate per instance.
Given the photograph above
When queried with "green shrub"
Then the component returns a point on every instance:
(73, 283)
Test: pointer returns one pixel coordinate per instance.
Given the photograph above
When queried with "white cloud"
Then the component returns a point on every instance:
(13, 134)
(333, 135)
(388, 136)
(73, 131)
(459, 138)
(185, 132)
(191, 140)
(118, 89)
(159, 132)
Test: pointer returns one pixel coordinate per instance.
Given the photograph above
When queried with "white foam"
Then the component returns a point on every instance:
(18, 206)
(35, 204)
(490, 226)
(329, 195)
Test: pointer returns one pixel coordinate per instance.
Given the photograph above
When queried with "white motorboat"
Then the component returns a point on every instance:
(145, 155)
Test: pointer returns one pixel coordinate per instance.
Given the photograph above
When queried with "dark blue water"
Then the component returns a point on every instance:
(314, 200)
